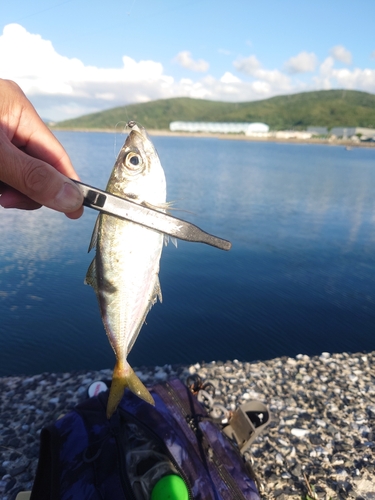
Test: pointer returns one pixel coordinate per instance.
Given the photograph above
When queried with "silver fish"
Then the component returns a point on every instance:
(124, 272)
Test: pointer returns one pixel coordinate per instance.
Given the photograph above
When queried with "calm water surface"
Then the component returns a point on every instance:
(300, 277)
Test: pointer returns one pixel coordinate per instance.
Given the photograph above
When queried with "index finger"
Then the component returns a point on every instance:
(27, 131)
(35, 138)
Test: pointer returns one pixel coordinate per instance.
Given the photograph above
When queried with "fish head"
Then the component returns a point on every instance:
(137, 173)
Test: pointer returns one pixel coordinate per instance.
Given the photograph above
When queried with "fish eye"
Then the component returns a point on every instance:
(133, 162)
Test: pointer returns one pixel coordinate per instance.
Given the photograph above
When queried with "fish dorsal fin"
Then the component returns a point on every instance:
(94, 237)
(90, 278)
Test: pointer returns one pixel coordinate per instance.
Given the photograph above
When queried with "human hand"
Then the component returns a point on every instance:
(34, 167)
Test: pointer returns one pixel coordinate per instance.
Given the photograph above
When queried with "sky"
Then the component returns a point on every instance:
(75, 57)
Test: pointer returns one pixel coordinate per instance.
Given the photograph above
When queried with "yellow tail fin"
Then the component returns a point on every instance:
(124, 376)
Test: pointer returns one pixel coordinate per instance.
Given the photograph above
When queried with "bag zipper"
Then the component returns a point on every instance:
(233, 487)
(125, 477)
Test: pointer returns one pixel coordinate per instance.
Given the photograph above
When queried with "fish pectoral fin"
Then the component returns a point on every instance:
(168, 238)
(90, 278)
(156, 292)
(125, 377)
(160, 207)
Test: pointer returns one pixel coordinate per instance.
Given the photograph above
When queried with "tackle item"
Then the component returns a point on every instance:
(246, 423)
(153, 219)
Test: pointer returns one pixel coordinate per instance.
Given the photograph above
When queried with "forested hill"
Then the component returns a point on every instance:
(326, 108)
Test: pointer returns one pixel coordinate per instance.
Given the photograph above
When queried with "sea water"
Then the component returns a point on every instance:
(300, 277)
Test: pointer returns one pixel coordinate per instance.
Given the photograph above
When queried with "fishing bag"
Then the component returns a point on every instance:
(85, 456)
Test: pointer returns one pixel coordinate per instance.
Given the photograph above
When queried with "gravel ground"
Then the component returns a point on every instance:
(321, 435)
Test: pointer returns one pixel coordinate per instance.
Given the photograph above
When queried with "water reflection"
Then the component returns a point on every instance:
(273, 186)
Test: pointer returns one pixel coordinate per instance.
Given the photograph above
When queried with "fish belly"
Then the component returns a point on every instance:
(130, 256)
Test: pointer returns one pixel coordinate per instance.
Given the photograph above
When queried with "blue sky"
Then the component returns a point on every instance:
(76, 56)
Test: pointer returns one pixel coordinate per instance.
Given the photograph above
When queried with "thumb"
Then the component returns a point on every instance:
(37, 180)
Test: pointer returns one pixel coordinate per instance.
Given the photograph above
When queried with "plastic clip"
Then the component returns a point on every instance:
(247, 422)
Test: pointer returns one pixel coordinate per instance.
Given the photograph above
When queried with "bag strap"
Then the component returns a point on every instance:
(47, 480)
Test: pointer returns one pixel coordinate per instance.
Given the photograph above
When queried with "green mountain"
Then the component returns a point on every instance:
(326, 108)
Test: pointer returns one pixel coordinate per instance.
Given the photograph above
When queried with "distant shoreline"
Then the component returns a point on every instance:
(237, 137)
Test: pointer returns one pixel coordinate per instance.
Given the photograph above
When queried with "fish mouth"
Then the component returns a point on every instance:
(138, 138)
(134, 126)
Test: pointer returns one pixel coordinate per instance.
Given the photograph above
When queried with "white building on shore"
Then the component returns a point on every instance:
(259, 130)
(256, 129)
(292, 134)
(349, 132)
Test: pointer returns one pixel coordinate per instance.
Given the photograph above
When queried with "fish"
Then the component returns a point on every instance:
(125, 270)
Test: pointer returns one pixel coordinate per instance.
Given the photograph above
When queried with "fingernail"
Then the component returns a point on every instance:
(69, 198)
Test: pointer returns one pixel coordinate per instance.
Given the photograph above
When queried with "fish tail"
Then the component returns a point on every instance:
(124, 376)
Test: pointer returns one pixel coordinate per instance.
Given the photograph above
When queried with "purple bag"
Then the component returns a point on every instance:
(85, 456)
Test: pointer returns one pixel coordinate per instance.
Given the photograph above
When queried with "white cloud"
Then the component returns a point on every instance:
(268, 82)
(73, 87)
(275, 78)
(229, 78)
(373, 54)
(62, 87)
(356, 79)
(185, 60)
(327, 66)
(340, 53)
(248, 65)
(304, 62)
